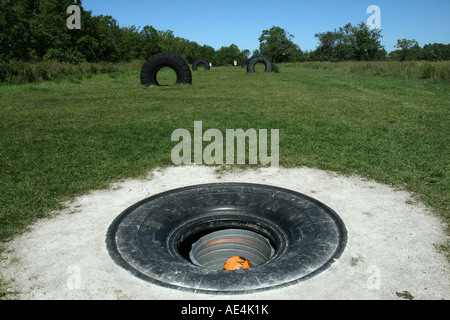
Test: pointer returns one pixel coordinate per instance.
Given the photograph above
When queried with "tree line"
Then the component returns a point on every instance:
(363, 44)
(35, 30)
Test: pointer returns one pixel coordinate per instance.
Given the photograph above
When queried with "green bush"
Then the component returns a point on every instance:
(71, 55)
(438, 71)
(427, 71)
(18, 72)
(275, 68)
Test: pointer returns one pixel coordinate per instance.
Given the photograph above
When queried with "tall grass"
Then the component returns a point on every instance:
(438, 71)
(20, 72)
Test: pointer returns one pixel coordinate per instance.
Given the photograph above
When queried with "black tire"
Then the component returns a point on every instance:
(163, 60)
(253, 61)
(151, 239)
(200, 61)
(245, 63)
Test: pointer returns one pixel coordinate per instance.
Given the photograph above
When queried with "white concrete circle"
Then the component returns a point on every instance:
(391, 241)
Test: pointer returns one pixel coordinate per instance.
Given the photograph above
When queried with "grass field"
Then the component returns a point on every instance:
(61, 138)
(438, 71)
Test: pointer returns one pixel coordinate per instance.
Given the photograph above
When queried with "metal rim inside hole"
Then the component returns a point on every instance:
(214, 249)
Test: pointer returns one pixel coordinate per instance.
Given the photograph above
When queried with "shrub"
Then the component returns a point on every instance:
(17, 72)
(275, 68)
(71, 55)
(438, 71)
(427, 71)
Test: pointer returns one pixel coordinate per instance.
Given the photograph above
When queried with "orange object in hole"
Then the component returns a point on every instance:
(237, 262)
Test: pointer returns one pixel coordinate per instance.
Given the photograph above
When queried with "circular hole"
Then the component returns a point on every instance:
(214, 249)
(260, 67)
(166, 76)
(196, 242)
(201, 67)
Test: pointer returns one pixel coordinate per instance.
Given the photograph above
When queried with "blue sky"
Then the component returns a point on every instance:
(220, 23)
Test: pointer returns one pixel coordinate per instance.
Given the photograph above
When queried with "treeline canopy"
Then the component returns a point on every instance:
(349, 43)
(410, 50)
(35, 30)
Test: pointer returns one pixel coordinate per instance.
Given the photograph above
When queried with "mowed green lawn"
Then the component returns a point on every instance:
(62, 138)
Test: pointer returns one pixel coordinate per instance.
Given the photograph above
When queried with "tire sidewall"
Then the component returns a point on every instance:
(162, 60)
(251, 64)
(200, 61)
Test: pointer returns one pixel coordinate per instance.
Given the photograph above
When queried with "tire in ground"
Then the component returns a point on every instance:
(200, 61)
(165, 60)
(263, 59)
(155, 238)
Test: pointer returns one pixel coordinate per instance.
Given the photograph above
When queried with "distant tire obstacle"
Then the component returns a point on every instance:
(165, 60)
(200, 61)
(245, 63)
(266, 61)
